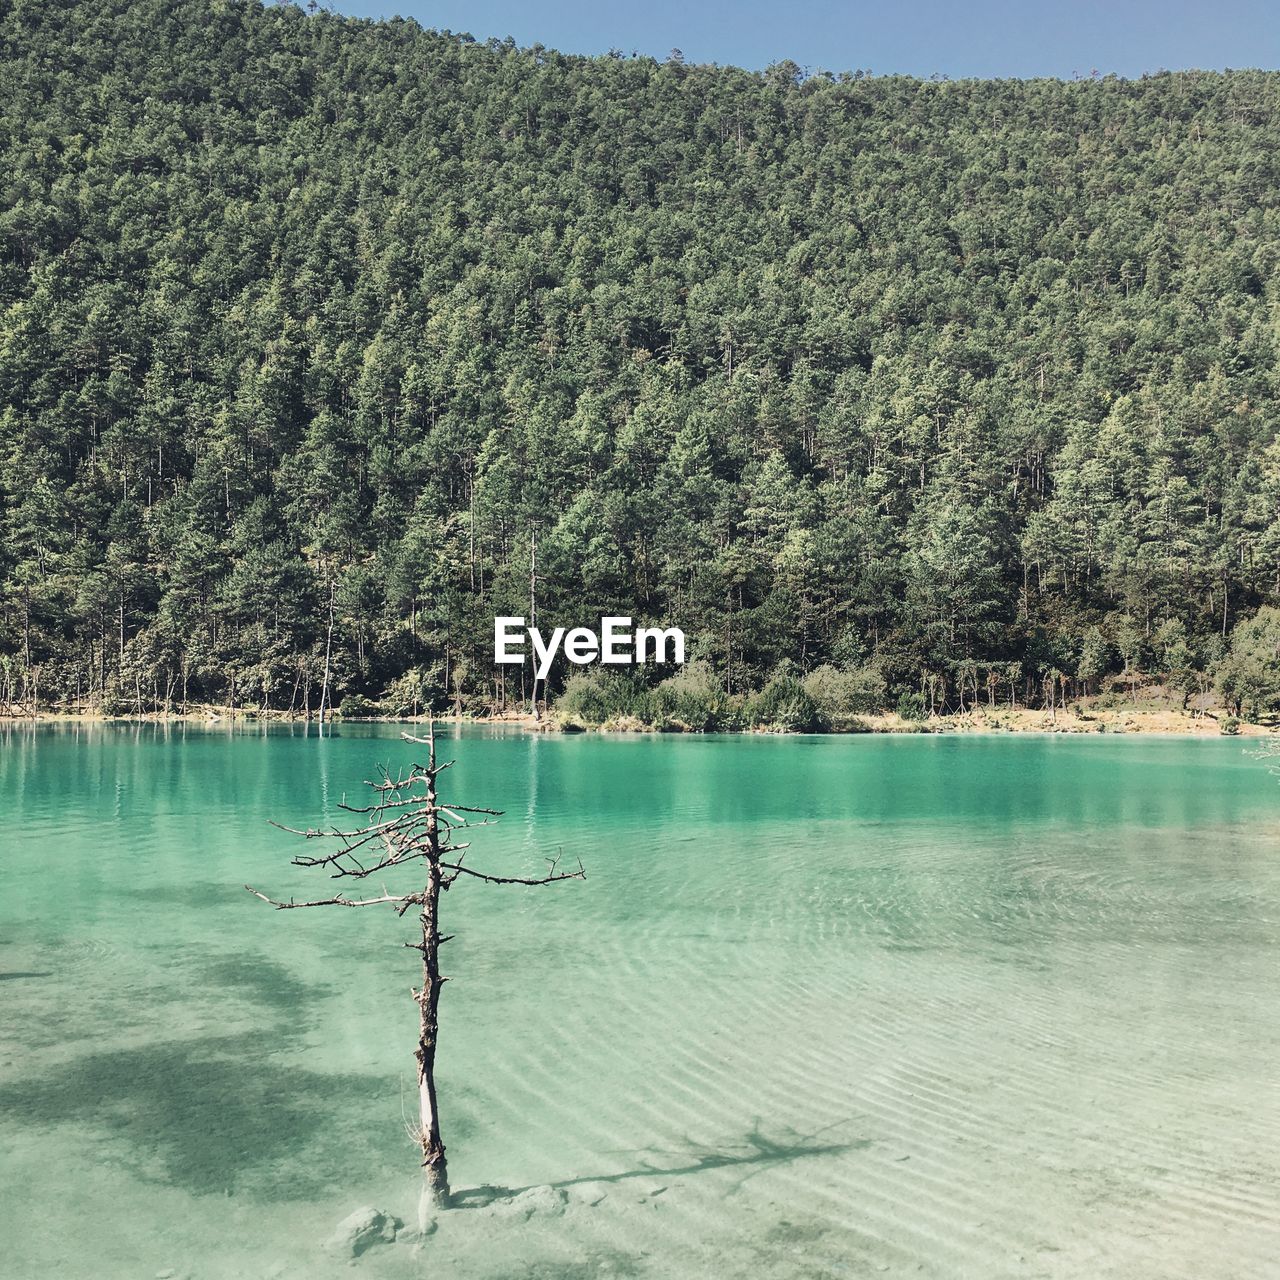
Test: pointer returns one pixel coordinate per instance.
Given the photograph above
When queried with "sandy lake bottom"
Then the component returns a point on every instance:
(902, 1006)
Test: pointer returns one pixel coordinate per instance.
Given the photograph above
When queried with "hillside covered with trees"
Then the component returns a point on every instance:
(313, 329)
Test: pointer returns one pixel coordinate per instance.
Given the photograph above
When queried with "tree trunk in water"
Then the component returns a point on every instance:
(434, 1169)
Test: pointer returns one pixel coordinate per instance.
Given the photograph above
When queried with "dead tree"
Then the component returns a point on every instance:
(407, 823)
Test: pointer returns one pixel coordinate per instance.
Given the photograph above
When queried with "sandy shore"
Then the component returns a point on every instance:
(1147, 716)
(1118, 719)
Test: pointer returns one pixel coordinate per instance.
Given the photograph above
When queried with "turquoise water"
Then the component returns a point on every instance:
(907, 1006)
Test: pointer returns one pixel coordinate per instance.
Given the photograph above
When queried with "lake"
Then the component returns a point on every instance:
(905, 1006)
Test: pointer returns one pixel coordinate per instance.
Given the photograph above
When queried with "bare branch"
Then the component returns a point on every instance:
(335, 859)
(551, 878)
(431, 768)
(397, 857)
(362, 834)
(385, 804)
(408, 899)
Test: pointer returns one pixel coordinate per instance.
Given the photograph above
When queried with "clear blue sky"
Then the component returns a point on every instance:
(919, 37)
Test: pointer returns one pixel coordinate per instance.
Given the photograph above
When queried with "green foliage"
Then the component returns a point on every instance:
(693, 700)
(417, 692)
(355, 705)
(310, 328)
(1249, 676)
(785, 704)
(911, 706)
(1095, 655)
(1178, 659)
(600, 696)
(841, 696)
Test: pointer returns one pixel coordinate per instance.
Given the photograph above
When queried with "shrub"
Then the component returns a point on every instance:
(356, 704)
(1248, 677)
(911, 705)
(844, 695)
(582, 700)
(598, 696)
(417, 691)
(116, 702)
(785, 704)
(1229, 725)
(693, 700)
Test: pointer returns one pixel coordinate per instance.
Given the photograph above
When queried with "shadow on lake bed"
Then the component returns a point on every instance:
(754, 1154)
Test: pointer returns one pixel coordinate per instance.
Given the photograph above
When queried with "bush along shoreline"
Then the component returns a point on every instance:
(694, 701)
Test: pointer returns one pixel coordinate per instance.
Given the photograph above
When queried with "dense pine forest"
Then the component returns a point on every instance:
(323, 341)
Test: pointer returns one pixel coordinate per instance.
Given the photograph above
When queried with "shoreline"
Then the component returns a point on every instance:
(1162, 721)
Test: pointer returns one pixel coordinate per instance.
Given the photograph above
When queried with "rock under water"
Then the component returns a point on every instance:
(362, 1229)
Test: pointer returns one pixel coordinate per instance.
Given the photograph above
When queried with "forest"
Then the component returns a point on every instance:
(324, 341)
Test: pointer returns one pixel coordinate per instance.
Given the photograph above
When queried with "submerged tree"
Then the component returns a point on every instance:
(405, 823)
